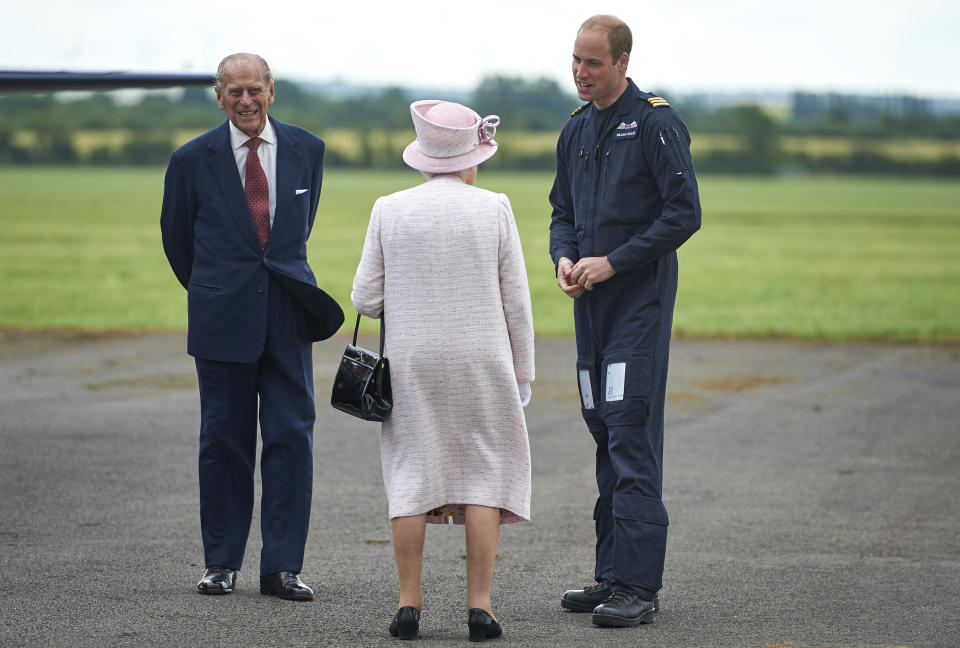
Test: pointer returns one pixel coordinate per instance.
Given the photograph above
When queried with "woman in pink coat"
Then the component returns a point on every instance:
(442, 262)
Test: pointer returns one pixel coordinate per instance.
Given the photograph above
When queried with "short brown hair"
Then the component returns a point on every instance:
(619, 35)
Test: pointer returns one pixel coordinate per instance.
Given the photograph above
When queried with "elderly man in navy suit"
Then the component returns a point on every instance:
(238, 205)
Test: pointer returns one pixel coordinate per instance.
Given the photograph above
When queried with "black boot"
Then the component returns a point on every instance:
(586, 599)
(624, 610)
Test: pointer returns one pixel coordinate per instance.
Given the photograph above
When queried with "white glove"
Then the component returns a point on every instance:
(525, 393)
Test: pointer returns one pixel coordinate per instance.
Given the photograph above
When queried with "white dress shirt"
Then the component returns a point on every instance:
(268, 159)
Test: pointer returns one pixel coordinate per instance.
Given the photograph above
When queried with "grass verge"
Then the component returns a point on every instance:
(834, 258)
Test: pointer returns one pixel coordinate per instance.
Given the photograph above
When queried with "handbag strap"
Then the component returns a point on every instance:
(355, 329)
(382, 332)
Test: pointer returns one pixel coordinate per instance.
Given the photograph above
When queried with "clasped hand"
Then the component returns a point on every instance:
(576, 278)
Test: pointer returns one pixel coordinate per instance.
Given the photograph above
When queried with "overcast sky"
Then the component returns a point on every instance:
(847, 46)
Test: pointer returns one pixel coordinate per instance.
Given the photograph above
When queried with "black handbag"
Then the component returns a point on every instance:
(362, 385)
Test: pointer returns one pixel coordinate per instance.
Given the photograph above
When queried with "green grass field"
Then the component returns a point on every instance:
(837, 258)
(348, 143)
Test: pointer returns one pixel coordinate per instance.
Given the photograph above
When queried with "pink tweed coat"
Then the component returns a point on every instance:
(443, 262)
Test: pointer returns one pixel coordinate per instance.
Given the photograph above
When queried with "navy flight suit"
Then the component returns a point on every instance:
(629, 194)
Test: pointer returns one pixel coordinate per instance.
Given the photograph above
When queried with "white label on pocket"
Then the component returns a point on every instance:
(586, 391)
(615, 375)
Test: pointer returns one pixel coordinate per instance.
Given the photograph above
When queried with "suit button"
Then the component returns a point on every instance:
(266, 259)
(260, 289)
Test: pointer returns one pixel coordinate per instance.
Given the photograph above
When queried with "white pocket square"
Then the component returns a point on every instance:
(300, 191)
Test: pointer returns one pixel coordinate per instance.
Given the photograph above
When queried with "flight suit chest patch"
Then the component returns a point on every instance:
(625, 130)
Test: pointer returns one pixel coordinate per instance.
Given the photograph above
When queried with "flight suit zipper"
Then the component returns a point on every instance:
(601, 163)
(593, 299)
(597, 184)
(670, 145)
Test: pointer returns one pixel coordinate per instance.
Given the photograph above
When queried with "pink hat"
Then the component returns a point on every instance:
(450, 137)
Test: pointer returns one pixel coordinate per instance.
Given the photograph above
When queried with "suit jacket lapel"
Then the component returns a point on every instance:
(224, 167)
(289, 160)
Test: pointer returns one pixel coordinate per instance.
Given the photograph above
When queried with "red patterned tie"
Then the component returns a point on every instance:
(258, 192)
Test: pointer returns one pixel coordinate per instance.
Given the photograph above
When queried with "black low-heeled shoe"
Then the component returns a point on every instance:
(482, 625)
(406, 622)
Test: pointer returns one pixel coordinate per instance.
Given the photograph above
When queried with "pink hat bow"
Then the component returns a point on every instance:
(488, 128)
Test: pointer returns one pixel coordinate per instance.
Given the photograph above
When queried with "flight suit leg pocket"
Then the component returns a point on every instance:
(640, 509)
(626, 382)
(588, 383)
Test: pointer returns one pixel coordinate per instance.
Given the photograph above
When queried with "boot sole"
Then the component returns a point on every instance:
(577, 607)
(609, 621)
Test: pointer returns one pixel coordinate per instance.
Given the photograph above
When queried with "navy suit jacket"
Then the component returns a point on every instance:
(212, 245)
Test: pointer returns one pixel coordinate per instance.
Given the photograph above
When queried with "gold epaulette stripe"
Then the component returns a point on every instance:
(657, 102)
(579, 110)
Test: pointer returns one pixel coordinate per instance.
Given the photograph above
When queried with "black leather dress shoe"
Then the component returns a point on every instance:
(482, 626)
(287, 585)
(406, 622)
(217, 580)
(624, 610)
(584, 600)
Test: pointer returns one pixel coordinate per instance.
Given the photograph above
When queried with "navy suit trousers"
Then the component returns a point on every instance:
(277, 389)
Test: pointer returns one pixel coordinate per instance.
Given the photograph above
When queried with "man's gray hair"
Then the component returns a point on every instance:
(267, 74)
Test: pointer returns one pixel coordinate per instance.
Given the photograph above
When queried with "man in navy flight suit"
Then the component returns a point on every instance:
(624, 199)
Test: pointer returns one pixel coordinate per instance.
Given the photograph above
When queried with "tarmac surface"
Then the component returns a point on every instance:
(812, 491)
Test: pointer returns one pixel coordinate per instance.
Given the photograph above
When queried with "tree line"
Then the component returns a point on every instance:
(44, 128)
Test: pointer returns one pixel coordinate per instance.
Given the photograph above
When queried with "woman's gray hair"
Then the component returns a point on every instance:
(460, 174)
(267, 74)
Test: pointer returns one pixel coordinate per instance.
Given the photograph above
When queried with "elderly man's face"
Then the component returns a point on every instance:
(245, 96)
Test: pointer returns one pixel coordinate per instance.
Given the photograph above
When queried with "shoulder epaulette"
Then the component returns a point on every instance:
(579, 110)
(657, 102)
